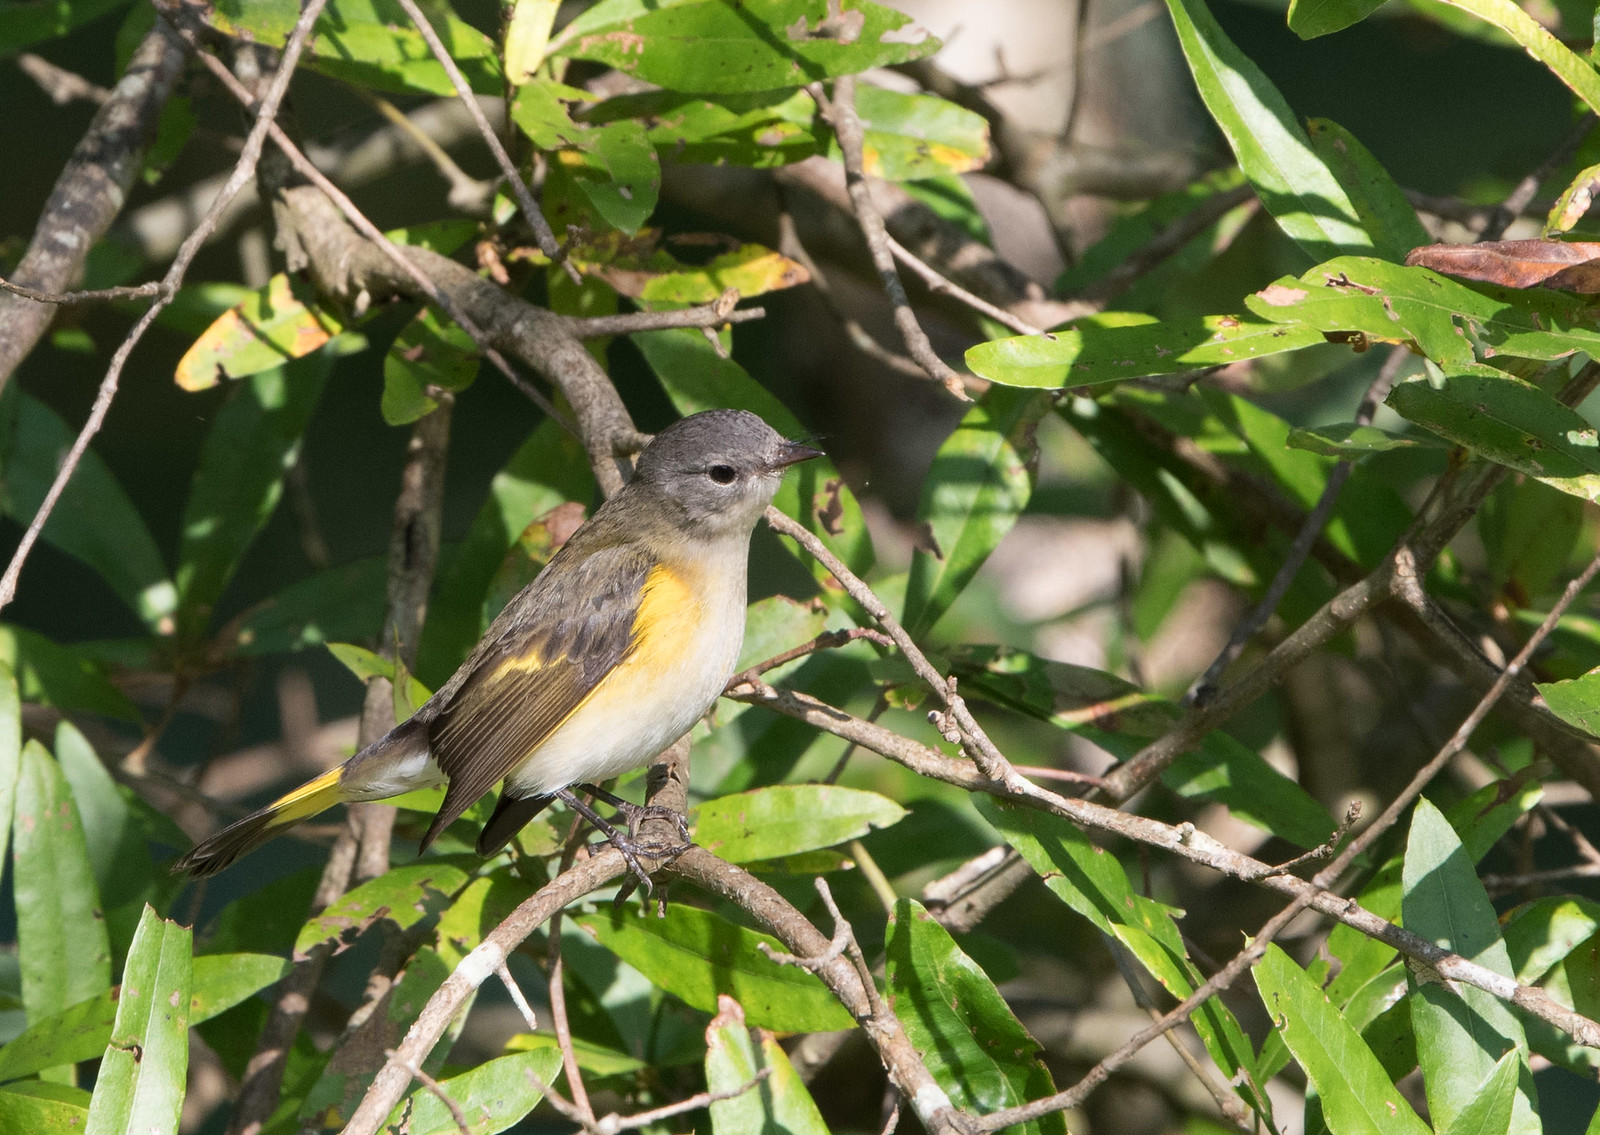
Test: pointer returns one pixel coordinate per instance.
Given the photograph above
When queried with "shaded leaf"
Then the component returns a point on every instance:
(1311, 18)
(61, 934)
(1539, 934)
(734, 1057)
(1118, 345)
(1294, 185)
(430, 351)
(1351, 441)
(404, 895)
(35, 1107)
(616, 168)
(1489, 1112)
(696, 955)
(1462, 1032)
(29, 22)
(336, 605)
(787, 819)
(978, 485)
(1387, 216)
(144, 1071)
(61, 676)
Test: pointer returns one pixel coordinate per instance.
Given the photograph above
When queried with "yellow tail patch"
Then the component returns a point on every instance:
(310, 798)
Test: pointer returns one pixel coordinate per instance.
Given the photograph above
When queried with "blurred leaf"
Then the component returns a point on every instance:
(253, 440)
(1386, 215)
(1350, 441)
(733, 1058)
(1093, 883)
(1294, 185)
(81, 1032)
(527, 35)
(547, 470)
(696, 955)
(366, 665)
(430, 351)
(787, 819)
(61, 934)
(641, 268)
(1311, 18)
(760, 129)
(61, 676)
(1574, 201)
(335, 605)
(10, 751)
(267, 919)
(1571, 68)
(34, 1107)
(1445, 320)
(978, 485)
(594, 1059)
(976, 1049)
(1357, 1096)
(94, 521)
(144, 1071)
(372, 43)
(27, 22)
(1461, 1031)
(403, 895)
(1529, 532)
(711, 48)
(1118, 345)
(695, 378)
(275, 323)
(1510, 422)
(528, 556)
(492, 1097)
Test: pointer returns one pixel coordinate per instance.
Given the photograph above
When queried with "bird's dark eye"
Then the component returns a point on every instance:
(722, 474)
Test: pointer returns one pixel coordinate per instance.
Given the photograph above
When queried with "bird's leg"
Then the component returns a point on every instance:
(625, 844)
(636, 814)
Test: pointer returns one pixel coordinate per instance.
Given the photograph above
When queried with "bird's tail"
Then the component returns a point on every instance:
(395, 764)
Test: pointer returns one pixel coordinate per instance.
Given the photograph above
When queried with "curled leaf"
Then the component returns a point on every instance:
(1568, 265)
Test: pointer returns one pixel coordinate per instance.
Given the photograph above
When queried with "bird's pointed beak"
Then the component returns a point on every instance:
(792, 453)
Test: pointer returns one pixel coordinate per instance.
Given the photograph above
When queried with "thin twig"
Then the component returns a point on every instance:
(1316, 520)
(613, 1124)
(718, 313)
(530, 208)
(61, 85)
(1163, 245)
(434, 1089)
(1517, 200)
(942, 285)
(466, 193)
(243, 172)
(517, 998)
(840, 112)
(97, 295)
(827, 640)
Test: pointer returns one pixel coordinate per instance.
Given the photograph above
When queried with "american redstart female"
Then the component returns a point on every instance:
(613, 652)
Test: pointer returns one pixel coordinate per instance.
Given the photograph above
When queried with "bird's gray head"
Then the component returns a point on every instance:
(720, 468)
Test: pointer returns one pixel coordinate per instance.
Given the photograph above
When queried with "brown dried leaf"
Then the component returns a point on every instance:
(1569, 265)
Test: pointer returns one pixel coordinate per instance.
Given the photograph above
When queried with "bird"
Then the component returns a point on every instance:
(608, 656)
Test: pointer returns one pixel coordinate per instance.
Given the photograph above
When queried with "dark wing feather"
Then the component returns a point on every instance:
(546, 652)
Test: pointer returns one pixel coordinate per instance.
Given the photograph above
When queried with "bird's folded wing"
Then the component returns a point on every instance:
(542, 657)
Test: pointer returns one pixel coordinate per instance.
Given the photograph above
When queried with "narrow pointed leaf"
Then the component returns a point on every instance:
(491, 1097)
(734, 1057)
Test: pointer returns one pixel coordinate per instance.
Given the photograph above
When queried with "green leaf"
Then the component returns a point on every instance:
(10, 751)
(1462, 1032)
(1510, 422)
(1091, 881)
(336, 605)
(527, 36)
(1529, 533)
(279, 321)
(1541, 933)
(253, 441)
(1117, 345)
(787, 819)
(61, 676)
(760, 130)
(430, 351)
(714, 48)
(373, 43)
(1350, 441)
(28, 22)
(61, 934)
(910, 137)
(404, 895)
(696, 955)
(1294, 185)
(27, 1107)
(641, 268)
(595, 1059)
(143, 1073)
(492, 1097)
(1452, 324)
(366, 665)
(979, 484)
(696, 378)
(618, 171)
(1357, 1095)
(1572, 69)
(1490, 1110)
(1311, 18)
(972, 1043)
(94, 521)
(1385, 213)
(779, 1103)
